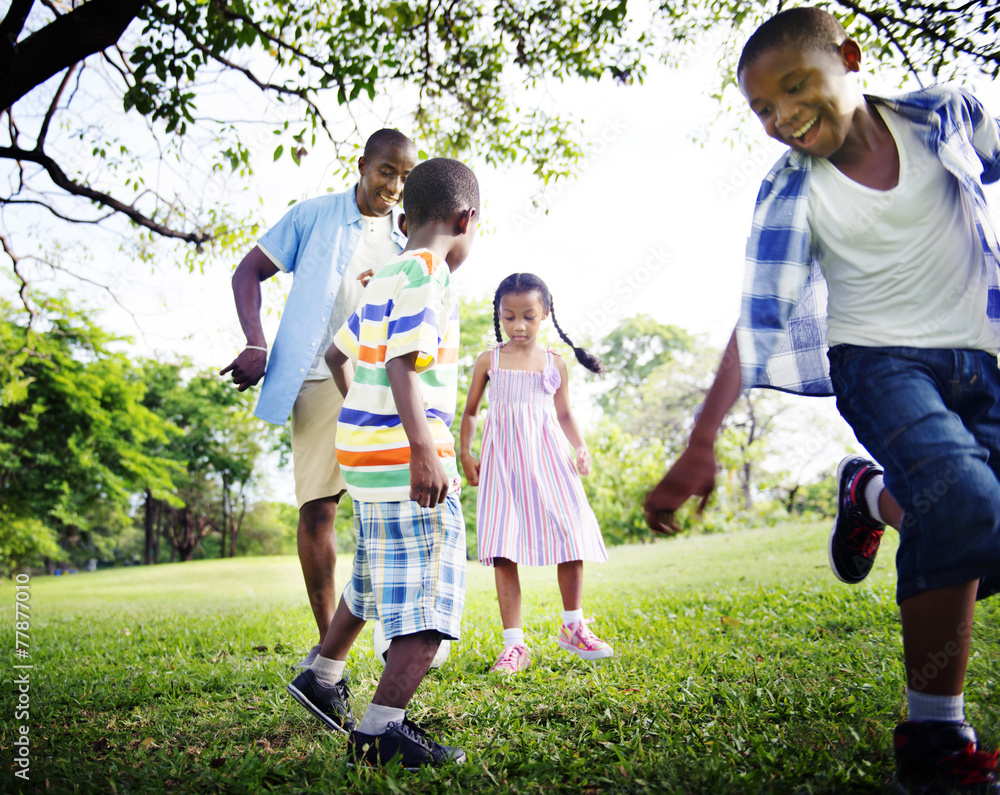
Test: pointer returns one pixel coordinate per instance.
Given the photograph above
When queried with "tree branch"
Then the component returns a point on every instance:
(88, 28)
(59, 177)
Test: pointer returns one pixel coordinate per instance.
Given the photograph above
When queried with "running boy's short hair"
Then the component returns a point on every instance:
(438, 188)
(803, 28)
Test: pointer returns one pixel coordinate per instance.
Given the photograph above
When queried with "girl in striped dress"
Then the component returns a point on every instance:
(531, 507)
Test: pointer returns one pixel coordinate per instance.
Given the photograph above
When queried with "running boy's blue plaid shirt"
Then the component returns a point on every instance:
(782, 328)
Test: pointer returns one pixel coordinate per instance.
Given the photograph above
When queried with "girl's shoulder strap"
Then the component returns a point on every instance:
(495, 355)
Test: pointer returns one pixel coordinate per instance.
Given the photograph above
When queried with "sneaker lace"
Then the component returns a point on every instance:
(509, 654)
(972, 766)
(342, 688)
(585, 634)
(415, 733)
(865, 538)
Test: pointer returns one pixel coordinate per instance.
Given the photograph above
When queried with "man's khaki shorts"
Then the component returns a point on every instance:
(314, 434)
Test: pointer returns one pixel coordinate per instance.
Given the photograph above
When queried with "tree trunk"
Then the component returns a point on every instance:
(149, 522)
(225, 514)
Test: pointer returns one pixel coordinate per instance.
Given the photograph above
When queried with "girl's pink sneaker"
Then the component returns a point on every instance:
(512, 660)
(578, 638)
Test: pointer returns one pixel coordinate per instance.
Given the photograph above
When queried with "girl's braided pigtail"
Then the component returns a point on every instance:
(496, 317)
(583, 356)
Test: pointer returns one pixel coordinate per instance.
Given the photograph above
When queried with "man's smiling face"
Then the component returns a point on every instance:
(382, 178)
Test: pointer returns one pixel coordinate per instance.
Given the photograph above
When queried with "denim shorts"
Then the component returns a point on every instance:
(409, 566)
(931, 418)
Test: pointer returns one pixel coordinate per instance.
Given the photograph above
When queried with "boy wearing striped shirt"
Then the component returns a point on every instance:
(396, 363)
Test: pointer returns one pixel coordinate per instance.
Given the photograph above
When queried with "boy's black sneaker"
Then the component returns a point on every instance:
(856, 536)
(941, 758)
(405, 740)
(331, 704)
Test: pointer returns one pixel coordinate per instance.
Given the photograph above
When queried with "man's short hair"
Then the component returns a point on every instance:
(385, 139)
(802, 28)
(438, 188)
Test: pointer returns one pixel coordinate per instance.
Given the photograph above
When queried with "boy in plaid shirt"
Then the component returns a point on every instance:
(872, 274)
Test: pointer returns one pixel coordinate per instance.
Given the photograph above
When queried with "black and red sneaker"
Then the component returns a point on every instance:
(856, 536)
(941, 758)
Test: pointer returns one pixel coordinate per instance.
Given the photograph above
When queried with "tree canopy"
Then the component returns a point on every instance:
(125, 108)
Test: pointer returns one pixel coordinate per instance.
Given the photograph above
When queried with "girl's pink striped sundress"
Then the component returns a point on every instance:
(531, 507)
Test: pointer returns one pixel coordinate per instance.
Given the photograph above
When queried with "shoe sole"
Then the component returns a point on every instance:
(601, 654)
(836, 521)
(458, 760)
(301, 697)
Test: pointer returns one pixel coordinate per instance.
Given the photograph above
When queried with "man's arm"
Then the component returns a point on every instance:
(694, 472)
(428, 481)
(248, 367)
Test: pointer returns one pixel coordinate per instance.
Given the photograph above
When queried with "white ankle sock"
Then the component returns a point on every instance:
(328, 671)
(513, 637)
(377, 718)
(873, 489)
(572, 617)
(923, 706)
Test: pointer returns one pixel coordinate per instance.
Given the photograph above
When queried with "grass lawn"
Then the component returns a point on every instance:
(741, 666)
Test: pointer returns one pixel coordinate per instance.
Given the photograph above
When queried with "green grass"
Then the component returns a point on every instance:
(741, 666)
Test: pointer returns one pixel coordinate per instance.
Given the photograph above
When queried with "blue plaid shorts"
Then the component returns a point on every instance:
(409, 567)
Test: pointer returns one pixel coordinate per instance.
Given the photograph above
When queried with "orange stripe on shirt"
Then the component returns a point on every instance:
(394, 457)
(429, 258)
(366, 353)
(447, 355)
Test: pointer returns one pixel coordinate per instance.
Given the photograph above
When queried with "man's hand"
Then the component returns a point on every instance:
(693, 475)
(247, 368)
(428, 481)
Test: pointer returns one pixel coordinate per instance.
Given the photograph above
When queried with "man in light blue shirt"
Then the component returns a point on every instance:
(330, 245)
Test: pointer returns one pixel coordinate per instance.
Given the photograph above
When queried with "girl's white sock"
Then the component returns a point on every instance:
(377, 718)
(328, 671)
(572, 617)
(873, 489)
(513, 637)
(923, 706)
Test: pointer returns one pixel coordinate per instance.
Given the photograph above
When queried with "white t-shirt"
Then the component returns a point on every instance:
(904, 266)
(375, 248)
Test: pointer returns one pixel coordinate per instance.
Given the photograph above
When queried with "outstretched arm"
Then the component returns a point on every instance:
(470, 418)
(566, 419)
(428, 480)
(693, 474)
(248, 367)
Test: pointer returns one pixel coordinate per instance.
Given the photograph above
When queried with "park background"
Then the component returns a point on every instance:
(617, 162)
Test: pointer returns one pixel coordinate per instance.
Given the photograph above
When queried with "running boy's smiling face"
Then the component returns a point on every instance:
(522, 315)
(805, 97)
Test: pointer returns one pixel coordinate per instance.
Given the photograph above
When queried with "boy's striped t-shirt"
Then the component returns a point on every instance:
(407, 307)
